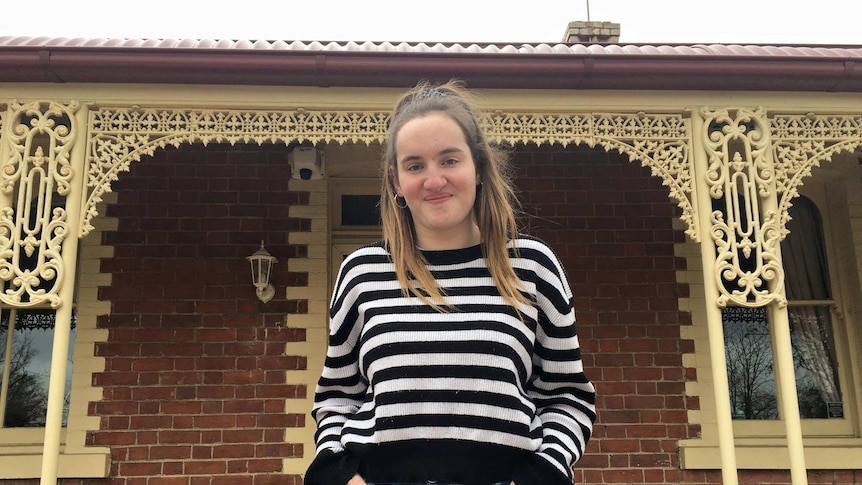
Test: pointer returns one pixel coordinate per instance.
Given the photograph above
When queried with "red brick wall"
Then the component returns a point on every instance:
(195, 373)
(611, 225)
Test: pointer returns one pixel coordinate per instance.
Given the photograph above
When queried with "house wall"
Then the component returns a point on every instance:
(611, 224)
(194, 385)
(195, 366)
(205, 385)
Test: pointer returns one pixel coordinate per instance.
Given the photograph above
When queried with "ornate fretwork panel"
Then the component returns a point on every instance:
(659, 141)
(120, 136)
(745, 228)
(35, 179)
(801, 142)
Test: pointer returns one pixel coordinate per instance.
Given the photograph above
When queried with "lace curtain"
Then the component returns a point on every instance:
(807, 278)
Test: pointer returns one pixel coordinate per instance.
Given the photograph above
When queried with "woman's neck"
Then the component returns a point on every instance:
(439, 241)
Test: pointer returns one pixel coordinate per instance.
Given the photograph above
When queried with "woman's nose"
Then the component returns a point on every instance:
(435, 181)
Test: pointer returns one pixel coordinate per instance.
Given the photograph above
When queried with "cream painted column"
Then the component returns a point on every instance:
(779, 322)
(717, 352)
(63, 317)
(782, 351)
(6, 201)
(785, 379)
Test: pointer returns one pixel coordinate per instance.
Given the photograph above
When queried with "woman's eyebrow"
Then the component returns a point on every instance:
(449, 150)
(445, 151)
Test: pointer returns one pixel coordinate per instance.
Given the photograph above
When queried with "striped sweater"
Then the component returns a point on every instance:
(475, 395)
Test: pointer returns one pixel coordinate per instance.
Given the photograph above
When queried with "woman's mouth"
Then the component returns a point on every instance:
(437, 197)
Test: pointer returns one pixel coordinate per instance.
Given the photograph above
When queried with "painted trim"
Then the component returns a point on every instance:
(820, 454)
(27, 464)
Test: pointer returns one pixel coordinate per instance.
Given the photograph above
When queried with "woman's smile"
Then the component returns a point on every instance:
(438, 198)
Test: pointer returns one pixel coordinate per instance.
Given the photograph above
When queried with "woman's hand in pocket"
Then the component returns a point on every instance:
(356, 480)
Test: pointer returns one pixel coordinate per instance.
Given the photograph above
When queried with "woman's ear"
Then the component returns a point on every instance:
(393, 179)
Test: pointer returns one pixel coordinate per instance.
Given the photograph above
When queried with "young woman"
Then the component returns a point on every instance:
(453, 355)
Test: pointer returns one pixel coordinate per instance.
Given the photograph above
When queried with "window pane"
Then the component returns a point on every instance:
(814, 358)
(750, 368)
(809, 291)
(29, 367)
(803, 253)
(749, 363)
(360, 210)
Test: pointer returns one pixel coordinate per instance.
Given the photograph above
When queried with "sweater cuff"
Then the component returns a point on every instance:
(537, 471)
(331, 468)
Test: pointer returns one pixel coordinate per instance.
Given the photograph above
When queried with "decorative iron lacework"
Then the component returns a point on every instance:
(120, 136)
(801, 142)
(741, 183)
(659, 141)
(33, 320)
(743, 315)
(35, 178)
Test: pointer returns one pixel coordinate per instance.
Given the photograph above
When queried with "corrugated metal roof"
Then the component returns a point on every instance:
(737, 50)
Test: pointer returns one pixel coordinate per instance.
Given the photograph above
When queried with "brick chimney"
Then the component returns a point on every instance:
(592, 33)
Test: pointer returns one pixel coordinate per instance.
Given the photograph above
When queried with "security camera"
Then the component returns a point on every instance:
(308, 163)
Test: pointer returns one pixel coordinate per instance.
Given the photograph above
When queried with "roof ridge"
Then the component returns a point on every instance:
(634, 49)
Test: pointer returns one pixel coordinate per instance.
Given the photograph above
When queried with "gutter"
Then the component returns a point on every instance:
(352, 68)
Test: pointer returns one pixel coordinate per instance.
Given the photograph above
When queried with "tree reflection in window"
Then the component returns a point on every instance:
(25, 363)
(810, 310)
(749, 363)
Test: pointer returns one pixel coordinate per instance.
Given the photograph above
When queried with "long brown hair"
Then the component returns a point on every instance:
(494, 209)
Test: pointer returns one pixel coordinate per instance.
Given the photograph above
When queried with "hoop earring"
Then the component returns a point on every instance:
(399, 205)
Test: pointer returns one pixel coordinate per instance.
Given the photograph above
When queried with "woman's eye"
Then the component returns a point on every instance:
(451, 161)
(413, 168)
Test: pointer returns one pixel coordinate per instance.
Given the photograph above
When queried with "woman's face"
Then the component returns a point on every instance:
(436, 175)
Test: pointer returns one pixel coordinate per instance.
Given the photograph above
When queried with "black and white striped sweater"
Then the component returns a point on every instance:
(475, 395)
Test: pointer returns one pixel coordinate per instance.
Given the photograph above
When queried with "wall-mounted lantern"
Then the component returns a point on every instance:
(261, 270)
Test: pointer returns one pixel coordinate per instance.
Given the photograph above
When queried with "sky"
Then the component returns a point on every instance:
(825, 22)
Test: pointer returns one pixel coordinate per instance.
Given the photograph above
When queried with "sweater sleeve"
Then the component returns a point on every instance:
(563, 395)
(341, 388)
